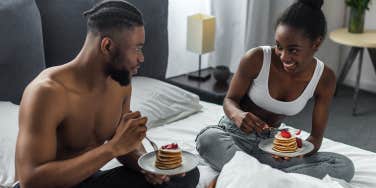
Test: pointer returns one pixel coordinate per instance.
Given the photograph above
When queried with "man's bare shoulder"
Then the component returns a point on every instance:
(45, 86)
(46, 82)
(44, 90)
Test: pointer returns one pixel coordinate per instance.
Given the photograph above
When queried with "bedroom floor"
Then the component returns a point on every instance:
(359, 131)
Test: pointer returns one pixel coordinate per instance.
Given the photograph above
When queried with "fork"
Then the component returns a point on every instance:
(276, 129)
(295, 131)
(155, 147)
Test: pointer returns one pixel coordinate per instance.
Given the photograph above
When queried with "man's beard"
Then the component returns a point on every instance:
(122, 76)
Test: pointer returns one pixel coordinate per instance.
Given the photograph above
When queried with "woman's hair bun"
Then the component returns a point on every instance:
(315, 4)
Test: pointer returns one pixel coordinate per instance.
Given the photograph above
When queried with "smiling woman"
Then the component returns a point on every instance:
(272, 83)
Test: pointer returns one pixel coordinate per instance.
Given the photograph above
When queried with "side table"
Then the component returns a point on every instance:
(357, 42)
(209, 90)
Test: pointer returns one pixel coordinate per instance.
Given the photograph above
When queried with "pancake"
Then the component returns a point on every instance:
(169, 157)
(285, 143)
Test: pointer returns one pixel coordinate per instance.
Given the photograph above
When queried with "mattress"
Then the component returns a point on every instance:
(184, 132)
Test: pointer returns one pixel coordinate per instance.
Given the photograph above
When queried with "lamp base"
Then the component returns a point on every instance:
(199, 77)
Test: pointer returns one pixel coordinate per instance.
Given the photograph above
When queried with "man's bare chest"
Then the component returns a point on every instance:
(90, 121)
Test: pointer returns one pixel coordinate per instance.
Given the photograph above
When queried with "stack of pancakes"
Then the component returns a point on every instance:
(168, 159)
(284, 145)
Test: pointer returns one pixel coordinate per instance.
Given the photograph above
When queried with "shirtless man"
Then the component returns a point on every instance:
(68, 112)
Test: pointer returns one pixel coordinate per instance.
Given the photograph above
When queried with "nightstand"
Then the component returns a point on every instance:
(358, 43)
(209, 90)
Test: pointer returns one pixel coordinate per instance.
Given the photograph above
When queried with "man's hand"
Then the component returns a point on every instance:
(248, 123)
(157, 179)
(129, 133)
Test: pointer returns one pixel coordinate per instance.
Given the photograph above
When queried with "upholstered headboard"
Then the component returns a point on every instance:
(21, 47)
(156, 49)
(64, 30)
(57, 36)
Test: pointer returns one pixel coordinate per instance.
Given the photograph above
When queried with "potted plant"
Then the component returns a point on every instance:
(357, 12)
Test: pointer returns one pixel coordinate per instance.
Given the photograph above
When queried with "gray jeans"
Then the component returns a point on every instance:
(218, 144)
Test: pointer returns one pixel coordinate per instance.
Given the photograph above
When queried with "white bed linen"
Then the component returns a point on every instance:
(8, 135)
(184, 132)
(162, 102)
(251, 173)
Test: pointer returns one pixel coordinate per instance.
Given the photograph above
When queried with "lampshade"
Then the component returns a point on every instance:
(200, 33)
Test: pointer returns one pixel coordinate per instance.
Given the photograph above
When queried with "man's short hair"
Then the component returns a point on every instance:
(110, 15)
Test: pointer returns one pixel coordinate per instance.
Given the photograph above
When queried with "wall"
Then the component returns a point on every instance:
(330, 52)
(180, 60)
(368, 77)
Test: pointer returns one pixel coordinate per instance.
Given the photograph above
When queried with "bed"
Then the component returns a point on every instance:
(183, 131)
(174, 115)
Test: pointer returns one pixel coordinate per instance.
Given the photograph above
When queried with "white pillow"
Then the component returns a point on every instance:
(161, 102)
(244, 170)
(8, 137)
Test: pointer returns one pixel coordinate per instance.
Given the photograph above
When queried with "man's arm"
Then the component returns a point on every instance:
(323, 98)
(42, 109)
(130, 160)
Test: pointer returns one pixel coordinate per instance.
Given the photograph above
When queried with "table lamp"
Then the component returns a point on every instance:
(200, 40)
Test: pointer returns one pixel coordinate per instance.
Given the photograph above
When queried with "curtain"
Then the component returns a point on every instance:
(251, 26)
(254, 25)
(240, 26)
(180, 60)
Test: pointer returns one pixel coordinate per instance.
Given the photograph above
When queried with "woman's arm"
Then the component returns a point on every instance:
(248, 69)
(323, 97)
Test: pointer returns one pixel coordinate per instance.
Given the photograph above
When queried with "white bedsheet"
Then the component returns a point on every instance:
(184, 132)
(8, 135)
(251, 173)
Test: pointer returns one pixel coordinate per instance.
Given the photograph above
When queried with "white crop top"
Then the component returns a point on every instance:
(259, 90)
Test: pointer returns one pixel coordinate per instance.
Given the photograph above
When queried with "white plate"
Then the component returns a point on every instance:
(267, 145)
(189, 162)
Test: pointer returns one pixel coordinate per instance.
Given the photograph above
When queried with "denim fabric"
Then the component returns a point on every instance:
(218, 144)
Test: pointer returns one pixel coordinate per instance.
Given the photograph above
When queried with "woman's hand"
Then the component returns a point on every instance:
(280, 158)
(248, 123)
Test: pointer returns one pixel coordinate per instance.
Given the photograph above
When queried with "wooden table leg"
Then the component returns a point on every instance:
(356, 93)
(372, 54)
(349, 61)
